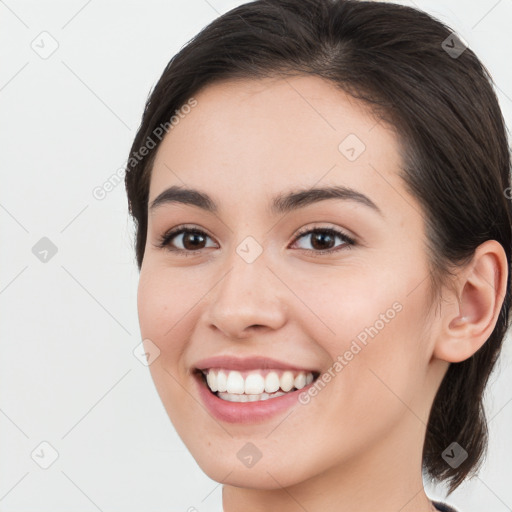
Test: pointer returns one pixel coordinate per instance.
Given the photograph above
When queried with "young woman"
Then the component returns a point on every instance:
(323, 235)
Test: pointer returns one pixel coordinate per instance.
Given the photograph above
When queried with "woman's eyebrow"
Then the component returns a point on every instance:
(282, 203)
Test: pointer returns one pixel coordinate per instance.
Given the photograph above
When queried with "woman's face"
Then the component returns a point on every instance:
(254, 285)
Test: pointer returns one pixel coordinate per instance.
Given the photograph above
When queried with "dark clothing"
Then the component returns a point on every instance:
(442, 507)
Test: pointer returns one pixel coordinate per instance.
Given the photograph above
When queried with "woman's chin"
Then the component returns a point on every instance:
(250, 478)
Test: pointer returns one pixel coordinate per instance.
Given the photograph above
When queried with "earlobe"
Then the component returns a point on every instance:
(472, 315)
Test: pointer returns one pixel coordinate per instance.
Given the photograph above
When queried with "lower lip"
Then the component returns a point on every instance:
(246, 412)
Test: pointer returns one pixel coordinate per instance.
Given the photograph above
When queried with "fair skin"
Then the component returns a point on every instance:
(357, 444)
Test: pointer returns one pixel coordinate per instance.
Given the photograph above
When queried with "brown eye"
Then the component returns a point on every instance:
(323, 239)
(187, 240)
(191, 240)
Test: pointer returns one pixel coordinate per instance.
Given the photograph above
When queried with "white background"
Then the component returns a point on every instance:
(68, 375)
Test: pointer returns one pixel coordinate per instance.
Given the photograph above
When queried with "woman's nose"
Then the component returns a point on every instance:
(248, 297)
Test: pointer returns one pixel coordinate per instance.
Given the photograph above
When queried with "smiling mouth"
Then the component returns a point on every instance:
(231, 386)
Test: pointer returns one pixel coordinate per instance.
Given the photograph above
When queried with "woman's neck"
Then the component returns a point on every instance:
(385, 477)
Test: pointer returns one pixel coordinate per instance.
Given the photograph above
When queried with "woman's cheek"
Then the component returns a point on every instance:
(157, 301)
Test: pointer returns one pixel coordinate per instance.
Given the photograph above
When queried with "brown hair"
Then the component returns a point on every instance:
(403, 64)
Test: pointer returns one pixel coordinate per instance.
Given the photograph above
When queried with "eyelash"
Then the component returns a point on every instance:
(165, 240)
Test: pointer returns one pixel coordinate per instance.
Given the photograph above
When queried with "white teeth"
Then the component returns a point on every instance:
(232, 382)
(287, 381)
(222, 380)
(271, 382)
(212, 381)
(235, 383)
(300, 380)
(232, 397)
(254, 384)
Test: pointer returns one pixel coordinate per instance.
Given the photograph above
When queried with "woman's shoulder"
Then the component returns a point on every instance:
(442, 507)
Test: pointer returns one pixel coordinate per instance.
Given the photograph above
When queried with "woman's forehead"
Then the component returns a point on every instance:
(274, 133)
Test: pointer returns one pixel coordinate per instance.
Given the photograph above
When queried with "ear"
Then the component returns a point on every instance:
(470, 315)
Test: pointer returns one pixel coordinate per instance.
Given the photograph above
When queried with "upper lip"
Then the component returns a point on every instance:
(248, 363)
